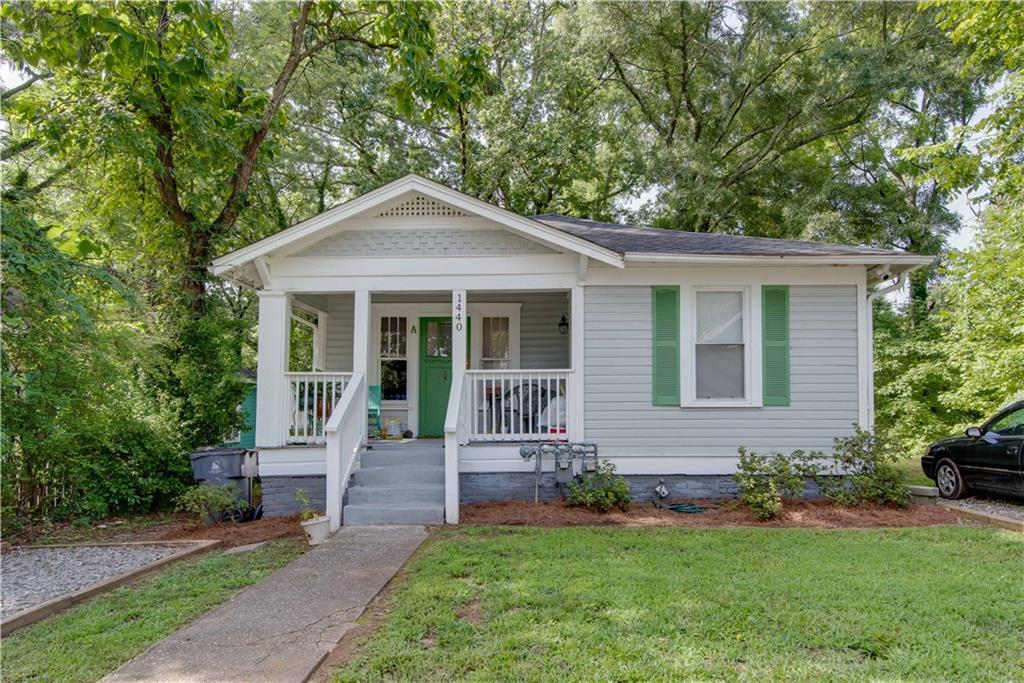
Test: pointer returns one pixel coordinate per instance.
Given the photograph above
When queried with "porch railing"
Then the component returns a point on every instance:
(346, 434)
(312, 397)
(518, 405)
(455, 429)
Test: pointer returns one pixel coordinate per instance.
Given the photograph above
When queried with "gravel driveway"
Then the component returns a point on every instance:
(992, 506)
(35, 575)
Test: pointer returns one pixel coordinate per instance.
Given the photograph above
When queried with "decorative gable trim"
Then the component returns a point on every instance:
(421, 206)
(301, 234)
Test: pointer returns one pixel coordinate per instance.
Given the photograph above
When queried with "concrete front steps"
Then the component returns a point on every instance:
(397, 483)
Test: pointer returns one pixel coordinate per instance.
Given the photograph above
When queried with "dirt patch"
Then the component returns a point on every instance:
(806, 514)
(473, 612)
(266, 529)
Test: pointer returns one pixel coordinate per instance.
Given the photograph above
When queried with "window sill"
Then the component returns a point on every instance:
(721, 403)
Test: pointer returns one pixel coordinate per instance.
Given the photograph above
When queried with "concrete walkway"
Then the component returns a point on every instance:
(279, 629)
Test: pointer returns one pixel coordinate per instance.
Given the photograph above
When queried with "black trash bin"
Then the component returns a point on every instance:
(219, 466)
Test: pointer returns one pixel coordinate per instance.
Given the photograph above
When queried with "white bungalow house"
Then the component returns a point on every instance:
(487, 330)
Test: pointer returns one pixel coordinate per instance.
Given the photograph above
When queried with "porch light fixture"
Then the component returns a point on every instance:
(563, 325)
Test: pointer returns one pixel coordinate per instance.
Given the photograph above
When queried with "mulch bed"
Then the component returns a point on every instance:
(160, 527)
(804, 514)
(266, 529)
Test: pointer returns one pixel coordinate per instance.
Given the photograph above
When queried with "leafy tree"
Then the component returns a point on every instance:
(149, 92)
(780, 119)
(80, 434)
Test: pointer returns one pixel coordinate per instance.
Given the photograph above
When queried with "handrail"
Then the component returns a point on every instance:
(345, 432)
(452, 421)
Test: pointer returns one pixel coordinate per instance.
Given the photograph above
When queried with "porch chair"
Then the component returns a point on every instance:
(373, 410)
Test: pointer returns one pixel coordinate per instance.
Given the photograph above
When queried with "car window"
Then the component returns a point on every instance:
(1011, 424)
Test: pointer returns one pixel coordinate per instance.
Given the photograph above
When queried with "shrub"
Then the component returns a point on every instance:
(860, 470)
(764, 480)
(600, 490)
(210, 503)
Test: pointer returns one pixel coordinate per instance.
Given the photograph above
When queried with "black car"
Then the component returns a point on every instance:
(989, 457)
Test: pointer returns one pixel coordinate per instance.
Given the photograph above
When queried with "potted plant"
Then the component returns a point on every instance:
(316, 525)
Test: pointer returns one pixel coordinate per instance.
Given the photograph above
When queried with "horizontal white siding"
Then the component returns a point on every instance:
(340, 322)
(542, 346)
(620, 418)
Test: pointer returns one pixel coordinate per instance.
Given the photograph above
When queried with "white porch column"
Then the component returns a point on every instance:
(271, 364)
(361, 333)
(361, 345)
(460, 329)
(575, 426)
(460, 314)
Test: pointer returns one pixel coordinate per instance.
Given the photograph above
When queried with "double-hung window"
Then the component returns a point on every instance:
(495, 343)
(717, 347)
(394, 361)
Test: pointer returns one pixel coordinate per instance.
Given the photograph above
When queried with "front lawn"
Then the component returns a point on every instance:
(91, 640)
(528, 604)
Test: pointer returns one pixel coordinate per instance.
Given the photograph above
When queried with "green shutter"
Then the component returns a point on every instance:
(665, 366)
(775, 342)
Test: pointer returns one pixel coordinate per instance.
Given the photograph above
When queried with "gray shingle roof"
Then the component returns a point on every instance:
(634, 239)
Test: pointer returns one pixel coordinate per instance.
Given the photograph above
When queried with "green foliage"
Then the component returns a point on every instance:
(600, 490)
(764, 480)
(860, 469)
(306, 509)
(209, 503)
(82, 436)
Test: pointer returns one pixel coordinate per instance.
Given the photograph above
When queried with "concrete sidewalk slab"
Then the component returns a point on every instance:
(279, 629)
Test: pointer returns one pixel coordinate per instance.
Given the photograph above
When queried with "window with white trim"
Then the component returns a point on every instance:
(394, 361)
(719, 348)
(718, 340)
(495, 343)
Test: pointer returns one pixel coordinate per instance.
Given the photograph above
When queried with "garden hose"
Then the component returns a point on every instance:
(689, 508)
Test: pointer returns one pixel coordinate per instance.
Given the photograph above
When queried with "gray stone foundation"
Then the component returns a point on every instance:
(279, 494)
(482, 487)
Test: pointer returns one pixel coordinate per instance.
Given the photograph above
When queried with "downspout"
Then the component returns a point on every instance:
(872, 295)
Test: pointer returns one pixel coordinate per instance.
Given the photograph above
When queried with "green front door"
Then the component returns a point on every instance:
(435, 373)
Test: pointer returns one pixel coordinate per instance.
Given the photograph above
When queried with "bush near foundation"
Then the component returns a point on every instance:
(859, 471)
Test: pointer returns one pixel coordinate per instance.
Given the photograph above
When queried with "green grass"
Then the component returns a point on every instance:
(91, 640)
(911, 469)
(941, 603)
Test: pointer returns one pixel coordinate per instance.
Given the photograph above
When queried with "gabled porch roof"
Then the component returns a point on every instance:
(325, 223)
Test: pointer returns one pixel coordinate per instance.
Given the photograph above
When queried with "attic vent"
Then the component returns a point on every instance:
(421, 206)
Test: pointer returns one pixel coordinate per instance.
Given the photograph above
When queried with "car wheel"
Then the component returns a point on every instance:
(949, 480)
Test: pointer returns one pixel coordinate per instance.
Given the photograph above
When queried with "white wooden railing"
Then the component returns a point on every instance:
(345, 434)
(312, 397)
(455, 431)
(518, 405)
